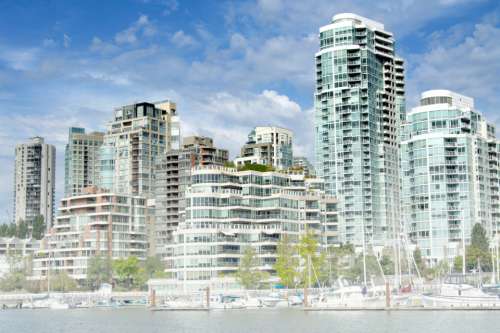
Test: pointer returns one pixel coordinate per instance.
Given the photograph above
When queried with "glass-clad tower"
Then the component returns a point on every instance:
(359, 104)
(449, 159)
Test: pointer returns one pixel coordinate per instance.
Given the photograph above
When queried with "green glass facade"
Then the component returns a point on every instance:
(449, 158)
(359, 103)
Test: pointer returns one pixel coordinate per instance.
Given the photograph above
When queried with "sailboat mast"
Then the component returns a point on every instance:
(364, 253)
(463, 249)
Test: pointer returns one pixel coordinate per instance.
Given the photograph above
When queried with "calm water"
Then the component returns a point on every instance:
(287, 320)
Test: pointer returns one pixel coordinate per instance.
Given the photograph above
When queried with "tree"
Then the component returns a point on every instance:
(154, 268)
(417, 256)
(38, 229)
(15, 279)
(477, 252)
(4, 229)
(98, 271)
(248, 274)
(440, 269)
(458, 264)
(287, 263)
(22, 229)
(61, 281)
(308, 250)
(128, 272)
(387, 265)
(479, 240)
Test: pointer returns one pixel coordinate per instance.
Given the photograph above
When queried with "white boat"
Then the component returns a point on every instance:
(57, 304)
(460, 295)
(274, 300)
(227, 302)
(351, 297)
(295, 300)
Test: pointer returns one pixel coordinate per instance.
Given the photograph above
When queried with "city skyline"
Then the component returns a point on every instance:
(60, 71)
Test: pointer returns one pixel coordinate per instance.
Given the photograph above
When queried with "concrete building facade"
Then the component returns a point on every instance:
(81, 157)
(34, 181)
(138, 136)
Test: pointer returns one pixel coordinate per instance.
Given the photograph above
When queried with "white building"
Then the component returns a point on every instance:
(34, 181)
(13, 248)
(359, 102)
(96, 223)
(228, 210)
(268, 145)
(450, 171)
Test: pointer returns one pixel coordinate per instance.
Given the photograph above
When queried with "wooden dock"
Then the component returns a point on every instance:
(166, 308)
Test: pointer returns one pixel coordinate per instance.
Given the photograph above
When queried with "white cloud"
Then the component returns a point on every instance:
(470, 67)
(405, 17)
(66, 41)
(99, 46)
(20, 59)
(229, 117)
(141, 26)
(181, 39)
(48, 42)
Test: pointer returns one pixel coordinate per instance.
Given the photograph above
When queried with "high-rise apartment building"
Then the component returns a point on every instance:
(268, 145)
(450, 169)
(359, 103)
(81, 168)
(173, 176)
(34, 181)
(228, 210)
(138, 136)
(94, 223)
(302, 163)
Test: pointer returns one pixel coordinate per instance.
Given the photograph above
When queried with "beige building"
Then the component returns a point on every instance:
(81, 160)
(95, 223)
(135, 140)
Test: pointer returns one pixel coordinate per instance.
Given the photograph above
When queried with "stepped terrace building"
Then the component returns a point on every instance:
(228, 210)
(450, 168)
(96, 223)
(359, 103)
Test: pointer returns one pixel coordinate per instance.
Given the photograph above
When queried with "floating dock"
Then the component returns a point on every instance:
(166, 308)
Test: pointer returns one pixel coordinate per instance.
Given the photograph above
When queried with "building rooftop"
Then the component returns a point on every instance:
(358, 19)
(440, 96)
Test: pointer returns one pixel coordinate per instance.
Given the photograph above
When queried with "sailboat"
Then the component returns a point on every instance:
(455, 291)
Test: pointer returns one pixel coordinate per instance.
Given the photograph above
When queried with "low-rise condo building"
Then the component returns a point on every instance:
(228, 210)
(96, 223)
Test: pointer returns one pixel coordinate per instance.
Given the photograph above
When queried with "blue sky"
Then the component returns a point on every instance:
(228, 65)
